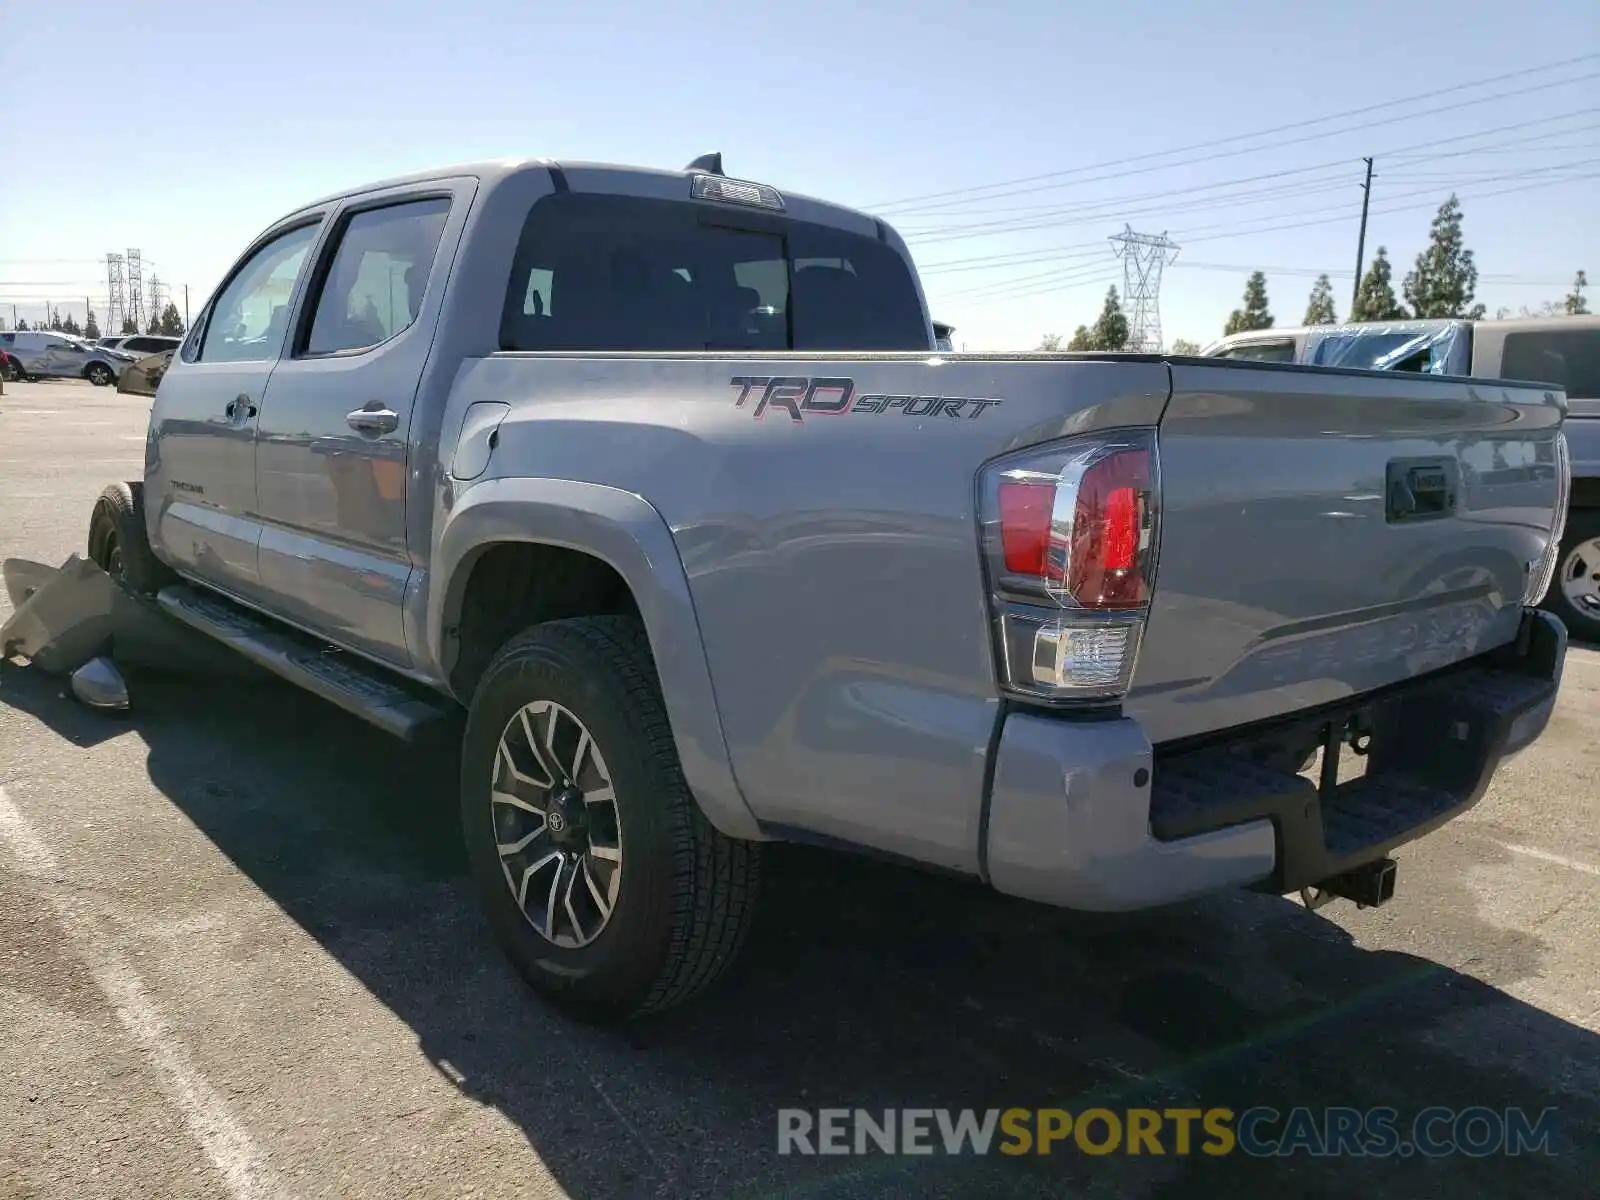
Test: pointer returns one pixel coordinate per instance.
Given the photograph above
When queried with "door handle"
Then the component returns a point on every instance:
(373, 418)
(240, 408)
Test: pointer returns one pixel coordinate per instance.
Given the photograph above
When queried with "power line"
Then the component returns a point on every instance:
(1261, 133)
(1204, 233)
(1341, 165)
(983, 261)
(1044, 287)
(1048, 219)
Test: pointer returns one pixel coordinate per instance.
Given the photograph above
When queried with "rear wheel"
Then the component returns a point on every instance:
(98, 374)
(119, 545)
(1574, 593)
(603, 881)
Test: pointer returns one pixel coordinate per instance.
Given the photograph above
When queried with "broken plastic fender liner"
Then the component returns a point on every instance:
(66, 622)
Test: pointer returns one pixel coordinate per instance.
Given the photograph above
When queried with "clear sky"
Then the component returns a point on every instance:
(183, 129)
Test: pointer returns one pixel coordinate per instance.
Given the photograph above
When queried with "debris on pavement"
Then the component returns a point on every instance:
(67, 619)
(99, 684)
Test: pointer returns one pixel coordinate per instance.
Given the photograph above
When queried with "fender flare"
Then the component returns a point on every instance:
(626, 532)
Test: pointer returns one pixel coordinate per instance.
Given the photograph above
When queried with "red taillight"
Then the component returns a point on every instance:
(1107, 530)
(1070, 535)
(1025, 510)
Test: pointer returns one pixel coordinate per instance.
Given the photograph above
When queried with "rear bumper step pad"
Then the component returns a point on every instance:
(1432, 747)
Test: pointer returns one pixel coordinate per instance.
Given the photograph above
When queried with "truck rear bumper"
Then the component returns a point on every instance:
(1086, 814)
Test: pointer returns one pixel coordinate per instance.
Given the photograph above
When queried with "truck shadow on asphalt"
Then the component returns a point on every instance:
(864, 986)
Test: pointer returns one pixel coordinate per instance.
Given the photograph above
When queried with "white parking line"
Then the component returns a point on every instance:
(237, 1158)
(1559, 860)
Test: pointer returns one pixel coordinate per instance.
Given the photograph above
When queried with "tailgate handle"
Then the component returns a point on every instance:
(1421, 488)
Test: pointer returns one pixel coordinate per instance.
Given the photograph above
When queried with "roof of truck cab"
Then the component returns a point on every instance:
(492, 171)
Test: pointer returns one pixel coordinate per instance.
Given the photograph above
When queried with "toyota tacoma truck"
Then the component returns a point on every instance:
(659, 477)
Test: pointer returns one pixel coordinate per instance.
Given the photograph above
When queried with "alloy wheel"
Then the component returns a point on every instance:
(556, 825)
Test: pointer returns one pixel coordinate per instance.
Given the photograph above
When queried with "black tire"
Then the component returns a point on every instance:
(687, 893)
(98, 374)
(119, 545)
(1583, 524)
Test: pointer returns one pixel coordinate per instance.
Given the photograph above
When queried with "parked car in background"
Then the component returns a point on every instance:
(144, 377)
(10, 366)
(140, 344)
(942, 335)
(1564, 351)
(45, 354)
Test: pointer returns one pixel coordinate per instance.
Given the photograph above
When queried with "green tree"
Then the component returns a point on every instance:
(1184, 346)
(129, 326)
(1255, 313)
(1375, 299)
(91, 327)
(1110, 331)
(22, 326)
(1445, 279)
(53, 321)
(171, 323)
(1576, 304)
(1050, 343)
(1319, 308)
(69, 324)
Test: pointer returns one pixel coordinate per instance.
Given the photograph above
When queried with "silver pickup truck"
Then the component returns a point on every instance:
(658, 475)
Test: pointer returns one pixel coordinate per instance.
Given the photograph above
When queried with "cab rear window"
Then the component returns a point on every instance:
(1569, 357)
(596, 273)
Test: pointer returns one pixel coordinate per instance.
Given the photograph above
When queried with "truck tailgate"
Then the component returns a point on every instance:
(1324, 534)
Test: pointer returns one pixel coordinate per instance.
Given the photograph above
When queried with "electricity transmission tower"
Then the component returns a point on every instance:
(116, 294)
(1143, 256)
(158, 298)
(135, 290)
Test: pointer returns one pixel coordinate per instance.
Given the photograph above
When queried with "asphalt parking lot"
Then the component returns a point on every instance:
(238, 958)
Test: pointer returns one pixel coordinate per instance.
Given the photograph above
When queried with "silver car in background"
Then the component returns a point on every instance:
(45, 354)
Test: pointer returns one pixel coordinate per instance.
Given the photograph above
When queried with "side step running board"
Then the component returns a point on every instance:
(353, 684)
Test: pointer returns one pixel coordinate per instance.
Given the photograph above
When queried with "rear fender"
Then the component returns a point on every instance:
(625, 531)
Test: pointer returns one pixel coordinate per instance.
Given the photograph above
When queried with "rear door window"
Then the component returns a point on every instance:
(1569, 357)
(375, 282)
(595, 273)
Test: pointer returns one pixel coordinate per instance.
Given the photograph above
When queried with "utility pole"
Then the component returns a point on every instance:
(186, 306)
(1361, 241)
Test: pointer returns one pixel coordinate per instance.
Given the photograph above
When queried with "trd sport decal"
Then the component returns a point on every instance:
(799, 395)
